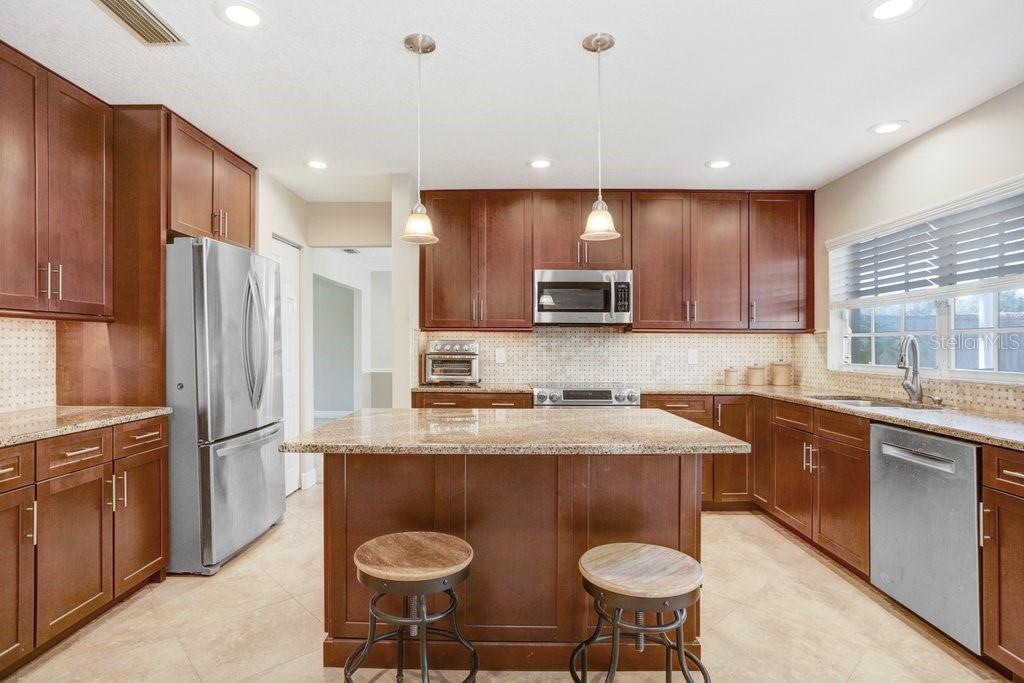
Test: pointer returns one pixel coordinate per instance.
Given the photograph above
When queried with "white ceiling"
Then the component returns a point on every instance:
(784, 88)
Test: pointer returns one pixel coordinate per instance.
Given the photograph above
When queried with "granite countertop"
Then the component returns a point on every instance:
(996, 428)
(593, 431)
(33, 424)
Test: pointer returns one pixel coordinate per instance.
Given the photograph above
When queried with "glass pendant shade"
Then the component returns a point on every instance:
(418, 228)
(600, 225)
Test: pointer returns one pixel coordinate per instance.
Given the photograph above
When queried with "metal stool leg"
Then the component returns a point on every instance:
(358, 656)
(474, 658)
(581, 649)
(401, 654)
(421, 601)
(668, 652)
(683, 655)
(616, 631)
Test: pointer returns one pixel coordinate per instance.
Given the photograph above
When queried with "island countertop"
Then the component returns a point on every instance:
(563, 431)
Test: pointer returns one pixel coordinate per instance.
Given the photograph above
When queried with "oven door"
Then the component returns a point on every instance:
(451, 368)
(582, 297)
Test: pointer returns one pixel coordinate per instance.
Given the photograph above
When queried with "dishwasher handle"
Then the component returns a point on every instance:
(934, 462)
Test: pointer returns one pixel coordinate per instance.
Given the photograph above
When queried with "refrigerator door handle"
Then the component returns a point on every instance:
(260, 369)
(247, 346)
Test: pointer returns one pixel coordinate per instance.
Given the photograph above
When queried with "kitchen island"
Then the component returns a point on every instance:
(531, 491)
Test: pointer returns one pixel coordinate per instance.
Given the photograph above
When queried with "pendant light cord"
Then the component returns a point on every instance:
(419, 129)
(599, 124)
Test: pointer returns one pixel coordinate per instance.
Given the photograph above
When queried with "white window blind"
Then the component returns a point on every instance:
(933, 259)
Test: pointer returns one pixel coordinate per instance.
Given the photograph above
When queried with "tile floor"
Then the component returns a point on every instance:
(772, 610)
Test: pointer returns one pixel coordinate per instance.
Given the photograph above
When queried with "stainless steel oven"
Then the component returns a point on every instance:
(452, 362)
(583, 297)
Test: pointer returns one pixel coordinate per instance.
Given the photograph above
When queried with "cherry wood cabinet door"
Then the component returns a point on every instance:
(1002, 562)
(761, 451)
(661, 267)
(614, 254)
(718, 260)
(17, 574)
(779, 239)
(793, 484)
(513, 564)
(23, 217)
(193, 173)
(841, 509)
(505, 240)
(74, 553)
(733, 477)
(235, 183)
(448, 296)
(556, 230)
(80, 199)
(140, 522)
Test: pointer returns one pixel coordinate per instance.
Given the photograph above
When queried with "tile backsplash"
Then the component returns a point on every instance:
(566, 354)
(28, 363)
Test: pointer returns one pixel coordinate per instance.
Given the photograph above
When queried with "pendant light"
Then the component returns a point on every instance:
(418, 229)
(600, 225)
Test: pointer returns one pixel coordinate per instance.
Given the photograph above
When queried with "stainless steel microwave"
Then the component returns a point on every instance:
(583, 297)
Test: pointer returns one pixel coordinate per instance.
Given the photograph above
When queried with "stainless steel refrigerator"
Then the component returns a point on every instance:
(224, 384)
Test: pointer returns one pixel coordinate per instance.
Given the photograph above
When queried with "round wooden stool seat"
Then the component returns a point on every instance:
(413, 556)
(640, 570)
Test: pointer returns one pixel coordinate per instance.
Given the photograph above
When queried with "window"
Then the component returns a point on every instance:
(955, 282)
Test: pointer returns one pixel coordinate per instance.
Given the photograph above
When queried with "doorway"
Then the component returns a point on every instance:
(287, 257)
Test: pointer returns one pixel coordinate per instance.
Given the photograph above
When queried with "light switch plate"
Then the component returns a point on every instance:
(691, 356)
(499, 356)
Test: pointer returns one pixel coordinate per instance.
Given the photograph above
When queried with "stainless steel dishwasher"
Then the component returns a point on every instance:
(924, 528)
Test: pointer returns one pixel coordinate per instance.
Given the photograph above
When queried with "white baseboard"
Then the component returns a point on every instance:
(329, 414)
(308, 479)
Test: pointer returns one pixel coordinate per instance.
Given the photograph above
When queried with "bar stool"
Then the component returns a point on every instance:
(639, 578)
(413, 565)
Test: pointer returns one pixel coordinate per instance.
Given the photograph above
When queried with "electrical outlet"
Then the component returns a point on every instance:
(499, 356)
(691, 356)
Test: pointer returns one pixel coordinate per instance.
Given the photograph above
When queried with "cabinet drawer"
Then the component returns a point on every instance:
(684, 406)
(1003, 470)
(793, 415)
(844, 428)
(17, 466)
(471, 400)
(139, 437)
(73, 452)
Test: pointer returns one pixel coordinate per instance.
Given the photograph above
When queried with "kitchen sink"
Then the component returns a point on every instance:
(868, 402)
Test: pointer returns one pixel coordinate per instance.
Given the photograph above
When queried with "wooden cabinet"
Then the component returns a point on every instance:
(661, 266)
(841, 501)
(761, 451)
(453, 399)
(733, 476)
(559, 218)
(74, 552)
(1003, 578)
(213, 191)
(793, 484)
(141, 518)
(481, 275)
(17, 575)
(23, 185)
(17, 467)
(780, 272)
(718, 260)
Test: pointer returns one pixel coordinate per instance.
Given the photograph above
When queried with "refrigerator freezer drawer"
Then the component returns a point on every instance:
(243, 491)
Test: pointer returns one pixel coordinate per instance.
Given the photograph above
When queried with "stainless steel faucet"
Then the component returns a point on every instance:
(912, 378)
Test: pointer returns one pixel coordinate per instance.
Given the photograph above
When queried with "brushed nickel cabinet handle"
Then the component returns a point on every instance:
(49, 280)
(215, 226)
(83, 451)
(124, 490)
(113, 492)
(6, 470)
(35, 522)
(805, 457)
(586, 252)
(224, 223)
(811, 450)
(981, 525)
(687, 319)
(578, 261)
(695, 315)
(719, 414)
(753, 311)
(60, 282)
(443, 403)
(677, 405)
(502, 405)
(1013, 473)
(147, 435)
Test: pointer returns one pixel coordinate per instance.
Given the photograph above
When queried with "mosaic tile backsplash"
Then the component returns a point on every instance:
(562, 354)
(28, 363)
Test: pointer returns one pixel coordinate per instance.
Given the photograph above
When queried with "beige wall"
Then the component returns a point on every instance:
(405, 311)
(979, 148)
(348, 224)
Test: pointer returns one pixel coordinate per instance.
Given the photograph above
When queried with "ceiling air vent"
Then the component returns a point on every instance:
(150, 28)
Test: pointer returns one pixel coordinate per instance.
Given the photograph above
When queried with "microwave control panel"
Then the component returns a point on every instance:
(622, 297)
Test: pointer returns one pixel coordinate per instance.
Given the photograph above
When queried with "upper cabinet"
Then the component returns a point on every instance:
(56, 194)
(480, 274)
(559, 217)
(213, 191)
(779, 270)
(661, 260)
(718, 260)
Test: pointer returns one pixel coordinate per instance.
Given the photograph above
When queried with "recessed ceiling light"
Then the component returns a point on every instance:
(884, 11)
(540, 163)
(887, 127)
(240, 14)
(317, 164)
(718, 164)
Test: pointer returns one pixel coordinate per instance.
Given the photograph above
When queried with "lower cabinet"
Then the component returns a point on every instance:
(17, 574)
(140, 520)
(792, 484)
(1002, 558)
(470, 399)
(761, 451)
(733, 478)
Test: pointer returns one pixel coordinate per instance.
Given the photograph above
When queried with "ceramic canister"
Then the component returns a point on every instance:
(756, 375)
(781, 374)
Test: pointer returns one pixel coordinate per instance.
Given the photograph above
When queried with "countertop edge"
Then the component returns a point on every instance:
(85, 425)
(512, 449)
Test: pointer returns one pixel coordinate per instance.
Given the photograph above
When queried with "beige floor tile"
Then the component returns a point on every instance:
(253, 642)
(158, 660)
(308, 668)
(313, 601)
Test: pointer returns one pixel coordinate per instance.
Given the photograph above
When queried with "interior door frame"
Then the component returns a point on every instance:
(290, 349)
